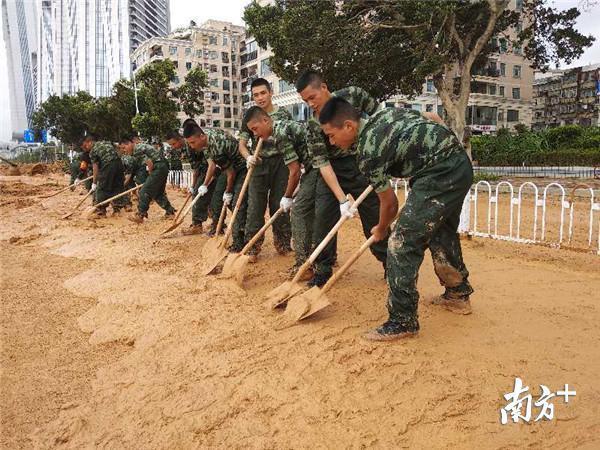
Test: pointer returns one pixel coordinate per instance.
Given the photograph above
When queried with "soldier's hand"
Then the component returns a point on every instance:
(77, 182)
(379, 233)
(227, 198)
(94, 186)
(251, 161)
(286, 203)
(202, 190)
(347, 209)
(192, 191)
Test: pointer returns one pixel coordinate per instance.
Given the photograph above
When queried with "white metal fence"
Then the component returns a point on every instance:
(530, 210)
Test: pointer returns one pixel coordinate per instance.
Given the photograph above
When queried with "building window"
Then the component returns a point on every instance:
(225, 40)
(225, 57)
(235, 112)
(517, 49)
(516, 93)
(225, 85)
(216, 123)
(503, 45)
(214, 68)
(235, 99)
(214, 82)
(216, 109)
(512, 115)
(176, 64)
(215, 96)
(176, 79)
(225, 71)
(212, 40)
(172, 50)
(227, 124)
(227, 112)
(226, 98)
(213, 55)
(492, 89)
(440, 110)
(500, 115)
(188, 65)
(235, 85)
(198, 53)
(265, 68)
(501, 91)
(188, 51)
(284, 86)
(233, 72)
(429, 108)
(430, 86)
(503, 69)
(415, 107)
(516, 71)
(519, 5)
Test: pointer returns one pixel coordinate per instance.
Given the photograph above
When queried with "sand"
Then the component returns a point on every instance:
(111, 338)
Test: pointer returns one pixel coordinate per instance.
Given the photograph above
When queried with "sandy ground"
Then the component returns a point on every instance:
(111, 338)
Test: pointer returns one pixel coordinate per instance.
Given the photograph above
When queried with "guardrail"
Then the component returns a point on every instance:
(540, 171)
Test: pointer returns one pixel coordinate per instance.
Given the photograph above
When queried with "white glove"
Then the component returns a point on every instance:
(347, 209)
(94, 186)
(251, 161)
(202, 190)
(77, 182)
(227, 198)
(192, 191)
(286, 203)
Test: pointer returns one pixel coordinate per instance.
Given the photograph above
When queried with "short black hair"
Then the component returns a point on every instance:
(260, 82)
(192, 129)
(89, 137)
(126, 138)
(174, 134)
(308, 77)
(255, 112)
(188, 121)
(336, 111)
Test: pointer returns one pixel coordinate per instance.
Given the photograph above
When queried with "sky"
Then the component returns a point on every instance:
(182, 11)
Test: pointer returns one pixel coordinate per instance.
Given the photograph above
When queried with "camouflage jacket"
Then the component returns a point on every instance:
(268, 147)
(289, 138)
(103, 152)
(131, 164)
(318, 142)
(398, 142)
(173, 154)
(147, 151)
(222, 148)
(196, 159)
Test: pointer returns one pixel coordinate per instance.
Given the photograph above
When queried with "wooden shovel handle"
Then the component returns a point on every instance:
(187, 199)
(260, 232)
(68, 187)
(342, 270)
(242, 194)
(108, 200)
(315, 254)
(82, 200)
(221, 220)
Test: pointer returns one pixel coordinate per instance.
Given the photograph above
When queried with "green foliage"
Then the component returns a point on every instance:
(484, 176)
(191, 92)
(562, 146)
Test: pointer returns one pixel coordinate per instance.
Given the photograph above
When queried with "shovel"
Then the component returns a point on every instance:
(181, 214)
(64, 189)
(235, 264)
(93, 208)
(215, 249)
(288, 289)
(66, 216)
(212, 247)
(187, 199)
(315, 299)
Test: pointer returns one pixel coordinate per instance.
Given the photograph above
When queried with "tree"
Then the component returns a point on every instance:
(191, 92)
(159, 115)
(391, 47)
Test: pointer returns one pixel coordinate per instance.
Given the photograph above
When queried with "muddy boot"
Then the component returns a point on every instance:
(307, 275)
(136, 218)
(193, 229)
(390, 331)
(318, 279)
(283, 249)
(170, 214)
(457, 305)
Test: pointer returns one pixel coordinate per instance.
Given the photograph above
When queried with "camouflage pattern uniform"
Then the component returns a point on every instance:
(199, 164)
(290, 137)
(154, 186)
(81, 168)
(345, 166)
(110, 177)
(175, 163)
(222, 149)
(402, 143)
(267, 186)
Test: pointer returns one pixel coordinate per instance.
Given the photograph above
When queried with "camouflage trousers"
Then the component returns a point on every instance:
(154, 189)
(76, 173)
(203, 206)
(327, 212)
(110, 183)
(429, 219)
(238, 232)
(303, 216)
(267, 186)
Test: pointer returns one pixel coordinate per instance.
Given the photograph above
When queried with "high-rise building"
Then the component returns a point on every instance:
(215, 47)
(86, 44)
(20, 38)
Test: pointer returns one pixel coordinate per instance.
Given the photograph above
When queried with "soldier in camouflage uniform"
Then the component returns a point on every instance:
(269, 178)
(134, 166)
(199, 165)
(154, 186)
(81, 168)
(108, 173)
(289, 137)
(222, 154)
(402, 143)
(174, 155)
(338, 174)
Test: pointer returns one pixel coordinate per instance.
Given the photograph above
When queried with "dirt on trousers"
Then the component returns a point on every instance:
(112, 339)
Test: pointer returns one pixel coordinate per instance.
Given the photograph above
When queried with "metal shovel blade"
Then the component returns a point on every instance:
(235, 267)
(282, 293)
(305, 305)
(173, 225)
(213, 253)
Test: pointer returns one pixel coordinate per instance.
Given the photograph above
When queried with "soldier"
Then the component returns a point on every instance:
(290, 139)
(154, 185)
(134, 166)
(222, 153)
(270, 175)
(338, 174)
(108, 173)
(174, 155)
(199, 165)
(81, 168)
(403, 143)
